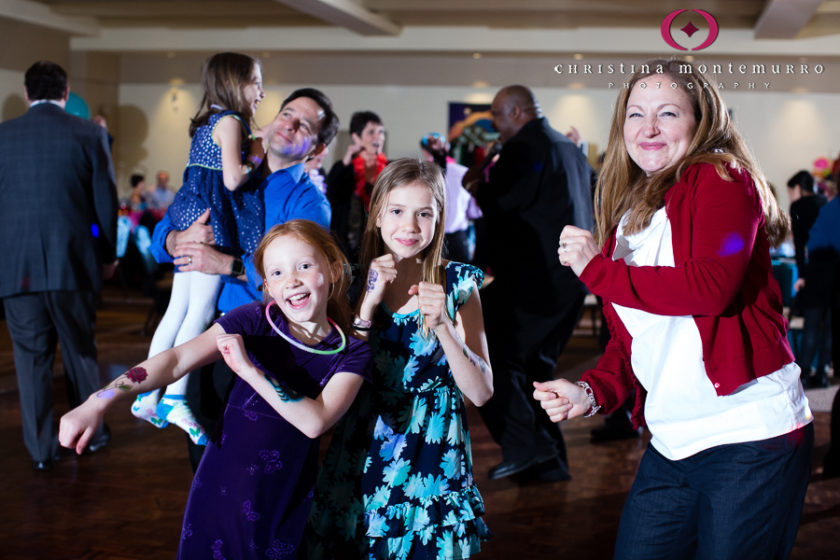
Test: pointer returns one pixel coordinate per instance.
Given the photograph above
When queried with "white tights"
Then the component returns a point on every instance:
(191, 308)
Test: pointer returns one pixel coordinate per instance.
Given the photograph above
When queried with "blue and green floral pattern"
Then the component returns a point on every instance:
(397, 481)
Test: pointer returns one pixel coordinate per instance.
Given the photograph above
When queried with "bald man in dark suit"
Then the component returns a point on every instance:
(58, 213)
(541, 183)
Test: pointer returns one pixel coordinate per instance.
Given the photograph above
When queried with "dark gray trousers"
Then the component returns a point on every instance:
(37, 321)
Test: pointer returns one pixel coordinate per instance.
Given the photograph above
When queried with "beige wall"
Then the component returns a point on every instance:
(22, 45)
(148, 97)
(93, 76)
(12, 102)
(787, 131)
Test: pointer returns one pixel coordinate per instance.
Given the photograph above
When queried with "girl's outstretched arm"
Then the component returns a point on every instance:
(77, 426)
(312, 417)
(228, 135)
(463, 341)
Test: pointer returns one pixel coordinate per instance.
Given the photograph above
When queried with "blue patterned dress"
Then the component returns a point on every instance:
(397, 480)
(237, 217)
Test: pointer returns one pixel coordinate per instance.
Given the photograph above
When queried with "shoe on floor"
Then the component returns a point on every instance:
(553, 470)
(101, 441)
(45, 465)
(513, 466)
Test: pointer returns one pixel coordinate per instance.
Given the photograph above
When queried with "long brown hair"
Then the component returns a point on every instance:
(396, 174)
(338, 308)
(223, 77)
(623, 185)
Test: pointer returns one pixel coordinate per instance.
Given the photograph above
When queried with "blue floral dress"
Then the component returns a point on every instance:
(237, 216)
(397, 480)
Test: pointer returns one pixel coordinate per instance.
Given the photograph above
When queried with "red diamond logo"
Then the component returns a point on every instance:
(689, 29)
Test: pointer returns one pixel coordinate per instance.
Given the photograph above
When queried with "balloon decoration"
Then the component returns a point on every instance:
(822, 167)
(77, 106)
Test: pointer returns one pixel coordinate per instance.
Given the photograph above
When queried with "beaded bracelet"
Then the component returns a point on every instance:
(590, 394)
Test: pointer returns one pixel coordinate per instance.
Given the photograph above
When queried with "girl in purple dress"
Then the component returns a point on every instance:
(298, 373)
(223, 156)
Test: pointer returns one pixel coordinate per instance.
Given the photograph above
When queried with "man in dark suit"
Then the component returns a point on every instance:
(58, 212)
(540, 183)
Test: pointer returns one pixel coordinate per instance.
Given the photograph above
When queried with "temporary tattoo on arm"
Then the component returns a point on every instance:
(286, 394)
(474, 359)
(371, 283)
(137, 374)
(124, 382)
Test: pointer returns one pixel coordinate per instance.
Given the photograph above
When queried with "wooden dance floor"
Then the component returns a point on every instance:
(125, 501)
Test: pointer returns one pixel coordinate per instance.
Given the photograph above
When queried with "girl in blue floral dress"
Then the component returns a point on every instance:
(397, 480)
(214, 180)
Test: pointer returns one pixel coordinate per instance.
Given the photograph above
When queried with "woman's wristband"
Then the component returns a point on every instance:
(255, 160)
(361, 324)
(594, 407)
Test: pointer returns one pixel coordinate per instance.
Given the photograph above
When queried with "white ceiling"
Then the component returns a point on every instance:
(445, 42)
(767, 19)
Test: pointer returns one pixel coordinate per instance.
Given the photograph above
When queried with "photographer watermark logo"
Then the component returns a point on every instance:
(689, 29)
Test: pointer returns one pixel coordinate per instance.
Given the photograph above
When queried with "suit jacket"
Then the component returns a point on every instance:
(803, 214)
(541, 183)
(58, 202)
(822, 272)
(819, 269)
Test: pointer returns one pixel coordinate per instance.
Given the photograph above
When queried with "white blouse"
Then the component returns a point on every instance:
(683, 412)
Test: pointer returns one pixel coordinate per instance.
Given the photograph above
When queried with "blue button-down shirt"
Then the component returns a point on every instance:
(288, 194)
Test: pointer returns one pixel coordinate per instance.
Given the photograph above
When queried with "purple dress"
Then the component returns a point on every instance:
(252, 491)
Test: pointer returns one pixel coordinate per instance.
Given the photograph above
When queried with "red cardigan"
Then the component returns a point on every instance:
(722, 277)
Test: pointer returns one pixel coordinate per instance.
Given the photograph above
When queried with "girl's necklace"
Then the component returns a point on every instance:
(304, 347)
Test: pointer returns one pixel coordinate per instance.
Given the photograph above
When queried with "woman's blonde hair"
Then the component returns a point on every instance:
(338, 307)
(396, 174)
(624, 186)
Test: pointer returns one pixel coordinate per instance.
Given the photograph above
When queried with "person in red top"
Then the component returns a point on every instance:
(350, 181)
(680, 257)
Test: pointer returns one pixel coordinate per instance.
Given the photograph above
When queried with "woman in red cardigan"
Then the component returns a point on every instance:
(681, 260)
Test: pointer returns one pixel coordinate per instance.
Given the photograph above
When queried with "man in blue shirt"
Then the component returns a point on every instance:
(304, 126)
